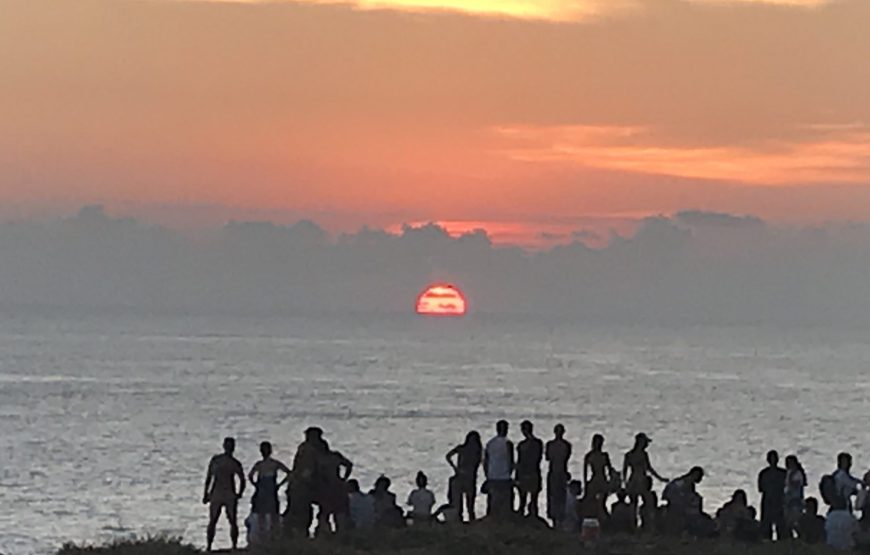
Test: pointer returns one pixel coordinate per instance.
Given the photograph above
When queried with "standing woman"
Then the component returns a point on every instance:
(598, 473)
(795, 483)
(264, 477)
(469, 456)
(333, 471)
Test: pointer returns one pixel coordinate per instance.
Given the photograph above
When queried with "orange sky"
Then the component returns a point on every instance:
(531, 118)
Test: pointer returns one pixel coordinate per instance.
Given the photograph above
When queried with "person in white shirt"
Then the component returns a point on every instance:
(498, 465)
(361, 507)
(841, 527)
(421, 500)
(847, 485)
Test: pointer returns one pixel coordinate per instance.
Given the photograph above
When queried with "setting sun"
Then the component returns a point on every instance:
(441, 300)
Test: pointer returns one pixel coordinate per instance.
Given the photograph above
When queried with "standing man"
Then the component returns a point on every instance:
(847, 485)
(771, 485)
(558, 454)
(530, 452)
(498, 465)
(220, 492)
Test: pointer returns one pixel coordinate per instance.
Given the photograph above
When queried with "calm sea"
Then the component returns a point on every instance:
(107, 422)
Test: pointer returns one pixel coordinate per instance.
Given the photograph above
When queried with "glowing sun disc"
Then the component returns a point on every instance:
(441, 300)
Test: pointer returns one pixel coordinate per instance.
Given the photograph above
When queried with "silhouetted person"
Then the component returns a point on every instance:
(220, 492)
(841, 527)
(450, 512)
(530, 453)
(333, 471)
(387, 511)
(623, 518)
(685, 504)
(598, 472)
(361, 507)
(732, 514)
(771, 485)
(649, 510)
(421, 500)
(558, 453)
(863, 504)
(469, 455)
(573, 510)
(498, 465)
(795, 485)
(304, 481)
(847, 485)
(264, 478)
(637, 468)
(811, 526)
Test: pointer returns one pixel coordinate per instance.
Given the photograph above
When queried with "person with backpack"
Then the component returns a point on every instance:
(848, 486)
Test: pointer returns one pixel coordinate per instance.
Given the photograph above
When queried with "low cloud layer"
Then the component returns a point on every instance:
(688, 268)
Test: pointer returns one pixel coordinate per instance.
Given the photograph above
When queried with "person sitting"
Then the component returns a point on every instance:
(361, 506)
(421, 500)
(681, 494)
(572, 515)
(811, 525)
(623, 518)
(729, 517)
(748, 529)
(387, 512)
(685, 505)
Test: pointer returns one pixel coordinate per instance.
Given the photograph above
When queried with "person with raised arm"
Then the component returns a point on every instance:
(264, 477)
(637, 468)
(468, 458)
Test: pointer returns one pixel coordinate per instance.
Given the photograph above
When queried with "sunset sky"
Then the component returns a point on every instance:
(534, 119)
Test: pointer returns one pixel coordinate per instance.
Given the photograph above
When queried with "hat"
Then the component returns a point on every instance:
(643, 437)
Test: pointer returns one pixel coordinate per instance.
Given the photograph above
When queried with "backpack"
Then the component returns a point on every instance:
(828, 490)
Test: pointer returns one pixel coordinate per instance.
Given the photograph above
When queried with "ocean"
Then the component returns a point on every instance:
(107, 421)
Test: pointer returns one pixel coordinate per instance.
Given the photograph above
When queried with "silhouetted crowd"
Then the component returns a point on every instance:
(322, 497)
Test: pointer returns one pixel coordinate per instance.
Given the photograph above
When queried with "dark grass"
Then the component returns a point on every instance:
(465, 540)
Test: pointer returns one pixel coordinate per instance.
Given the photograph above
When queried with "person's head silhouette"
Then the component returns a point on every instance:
(501, 428)
(266, 449)
(527, 428)
(597, 442)
(229, 445)
(844, 461)
(773, 458)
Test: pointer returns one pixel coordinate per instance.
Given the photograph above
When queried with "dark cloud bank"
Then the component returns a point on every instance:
(689, 268)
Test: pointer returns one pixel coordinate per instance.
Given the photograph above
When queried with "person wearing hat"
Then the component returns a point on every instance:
(636, 470)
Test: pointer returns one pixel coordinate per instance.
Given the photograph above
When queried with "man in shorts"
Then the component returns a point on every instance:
(530, 452)
(220, 491)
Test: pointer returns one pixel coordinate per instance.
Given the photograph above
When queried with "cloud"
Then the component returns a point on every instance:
(693, 267)
(841, 157)
(549, 10)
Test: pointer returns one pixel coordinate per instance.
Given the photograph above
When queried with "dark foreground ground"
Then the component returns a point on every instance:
(469, 541)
